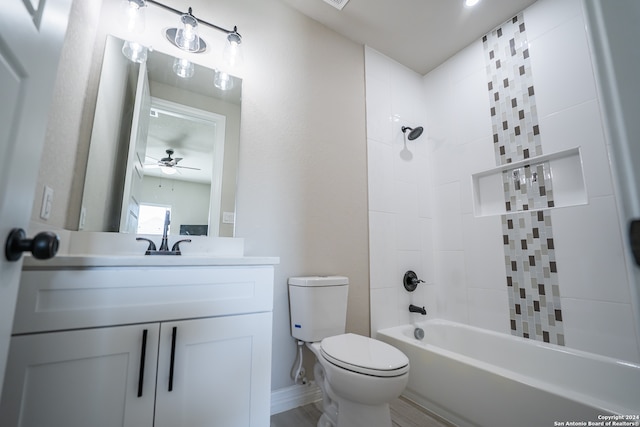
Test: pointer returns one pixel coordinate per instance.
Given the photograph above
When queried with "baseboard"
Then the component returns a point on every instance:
(291, 397)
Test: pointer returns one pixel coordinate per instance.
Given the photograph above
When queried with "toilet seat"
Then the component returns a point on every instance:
(364, 355)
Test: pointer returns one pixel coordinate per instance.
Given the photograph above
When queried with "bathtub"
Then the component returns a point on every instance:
(476, 377)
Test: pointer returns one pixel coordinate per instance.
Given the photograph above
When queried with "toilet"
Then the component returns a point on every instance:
(358, 375)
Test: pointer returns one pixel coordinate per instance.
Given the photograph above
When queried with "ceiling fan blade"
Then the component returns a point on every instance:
(177, 159)
(150, 165)
(187, 167)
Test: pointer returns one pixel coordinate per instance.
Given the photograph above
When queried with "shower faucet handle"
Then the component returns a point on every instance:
(411, 281)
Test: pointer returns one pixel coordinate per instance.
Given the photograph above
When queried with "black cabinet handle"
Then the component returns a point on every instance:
(174, 334)
(634, 239)
(143, 353)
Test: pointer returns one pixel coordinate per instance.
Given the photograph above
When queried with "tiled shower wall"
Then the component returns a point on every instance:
(421, 214)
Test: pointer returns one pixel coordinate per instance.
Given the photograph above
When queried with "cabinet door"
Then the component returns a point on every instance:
(221, 372)
(81, 378)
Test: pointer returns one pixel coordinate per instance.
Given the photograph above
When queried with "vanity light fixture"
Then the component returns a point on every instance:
(185, 36)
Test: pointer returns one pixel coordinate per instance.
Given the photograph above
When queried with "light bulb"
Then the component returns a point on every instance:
(133, 15)
(232, 54)
(187, 36)
(183, 68)
(222, 80)
(168, 170)
(134, 51)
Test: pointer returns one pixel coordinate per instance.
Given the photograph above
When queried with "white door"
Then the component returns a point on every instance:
(136, 156)
(216, 373)
(31, 37)
(91, 377)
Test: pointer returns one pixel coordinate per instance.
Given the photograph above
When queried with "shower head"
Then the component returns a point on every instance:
(415, 132)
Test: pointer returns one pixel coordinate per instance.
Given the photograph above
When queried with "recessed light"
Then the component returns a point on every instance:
(470, 3)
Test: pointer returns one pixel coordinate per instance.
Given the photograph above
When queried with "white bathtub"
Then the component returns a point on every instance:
(475, 377)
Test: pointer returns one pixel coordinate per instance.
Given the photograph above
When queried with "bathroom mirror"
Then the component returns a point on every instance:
(162, 142)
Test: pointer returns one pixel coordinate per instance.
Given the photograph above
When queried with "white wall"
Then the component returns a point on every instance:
(302, 182)
(302, 186)
(189, 201)
(468, 261)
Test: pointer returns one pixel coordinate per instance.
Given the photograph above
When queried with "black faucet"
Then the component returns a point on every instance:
(416, 309)
(164, 244)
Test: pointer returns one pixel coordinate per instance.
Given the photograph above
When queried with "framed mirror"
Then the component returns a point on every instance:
(162, 142)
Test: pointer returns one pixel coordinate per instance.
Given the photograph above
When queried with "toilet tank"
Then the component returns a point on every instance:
(318, 306)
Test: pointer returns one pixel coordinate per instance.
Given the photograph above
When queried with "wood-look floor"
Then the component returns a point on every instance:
(404, 413)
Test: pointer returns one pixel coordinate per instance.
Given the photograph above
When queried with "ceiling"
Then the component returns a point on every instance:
(420, 34)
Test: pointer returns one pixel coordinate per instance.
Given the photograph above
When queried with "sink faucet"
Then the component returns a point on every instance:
(164, 244)
(416, 309)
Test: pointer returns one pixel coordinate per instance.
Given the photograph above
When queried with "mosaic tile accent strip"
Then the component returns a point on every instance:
(528, 188)
(532, 270)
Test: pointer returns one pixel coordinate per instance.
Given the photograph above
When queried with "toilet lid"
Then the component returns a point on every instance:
(364, 355)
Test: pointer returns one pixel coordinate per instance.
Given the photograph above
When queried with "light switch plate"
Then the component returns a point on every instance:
(47, 203)
(228, 217)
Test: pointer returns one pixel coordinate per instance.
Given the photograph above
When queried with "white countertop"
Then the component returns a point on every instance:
(79, 261)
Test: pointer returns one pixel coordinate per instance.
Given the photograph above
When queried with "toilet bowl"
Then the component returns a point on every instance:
(358, 375)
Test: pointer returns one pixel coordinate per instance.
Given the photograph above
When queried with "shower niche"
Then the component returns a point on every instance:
(541, 182)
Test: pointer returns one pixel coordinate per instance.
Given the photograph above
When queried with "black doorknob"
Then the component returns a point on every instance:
(43, 246)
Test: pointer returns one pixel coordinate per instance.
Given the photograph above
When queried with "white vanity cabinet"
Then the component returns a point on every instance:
(79, 378)
(141, 346)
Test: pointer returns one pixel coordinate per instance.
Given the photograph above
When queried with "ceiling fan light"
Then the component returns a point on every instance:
(167, 170)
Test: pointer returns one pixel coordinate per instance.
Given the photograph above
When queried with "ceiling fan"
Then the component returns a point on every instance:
(168, 165)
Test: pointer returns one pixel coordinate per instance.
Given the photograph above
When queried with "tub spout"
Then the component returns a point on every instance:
(416, 309)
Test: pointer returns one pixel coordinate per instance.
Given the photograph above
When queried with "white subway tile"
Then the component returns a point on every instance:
(489, 309)
(382, 250)
(589, 251)
(545, 15)
(448, 217)
(470, 96)
(581, 126)
(561, 68)
(379, 120)
(600, 327)
(383, 309)
(484, 252)
(380, 176)
(451, 285)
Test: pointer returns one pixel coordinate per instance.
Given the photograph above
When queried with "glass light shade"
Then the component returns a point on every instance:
(135, 52)
(133, 15)
(232, 54)
(187, 36)
(222, 80)
(168, 170)
(183, 68)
